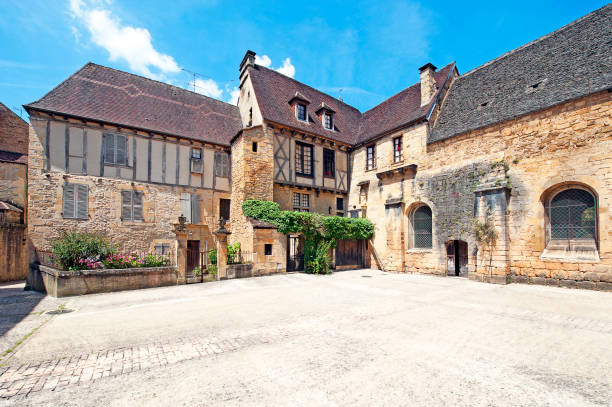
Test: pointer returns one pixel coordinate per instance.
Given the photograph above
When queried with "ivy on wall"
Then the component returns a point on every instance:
(321, 233)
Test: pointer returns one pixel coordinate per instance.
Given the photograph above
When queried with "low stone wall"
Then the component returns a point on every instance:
(594, 284)
(60, 283)
(239, 271)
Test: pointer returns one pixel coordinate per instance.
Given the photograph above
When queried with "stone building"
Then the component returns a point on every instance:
(518, 147)
(13, 195)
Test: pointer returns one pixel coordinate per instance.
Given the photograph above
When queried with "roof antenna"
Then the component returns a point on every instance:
(340, 96)
(195, 76)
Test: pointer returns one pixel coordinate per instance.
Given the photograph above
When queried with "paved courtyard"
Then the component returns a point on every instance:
(352, 338)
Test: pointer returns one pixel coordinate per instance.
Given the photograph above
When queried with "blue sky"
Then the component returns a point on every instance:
(364, 51)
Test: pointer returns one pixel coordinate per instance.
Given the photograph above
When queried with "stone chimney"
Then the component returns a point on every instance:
(428, 83)
(248, 60)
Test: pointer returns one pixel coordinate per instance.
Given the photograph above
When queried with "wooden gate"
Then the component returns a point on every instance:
(350, 254)
(193, 255)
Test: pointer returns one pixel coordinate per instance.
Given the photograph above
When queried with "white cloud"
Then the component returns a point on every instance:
(287, 69)
(123, 42)
(263, 60)
(207, 87)
(234, 95)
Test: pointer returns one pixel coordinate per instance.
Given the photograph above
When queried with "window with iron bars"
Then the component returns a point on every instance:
(572, 216)
(421, 221)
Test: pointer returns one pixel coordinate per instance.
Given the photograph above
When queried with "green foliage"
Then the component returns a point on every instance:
(234, 253)
(321, 233)
(155, 260)
(212, 256)
(486, 235)
(197, 271)
(212, 270)
(79, 251)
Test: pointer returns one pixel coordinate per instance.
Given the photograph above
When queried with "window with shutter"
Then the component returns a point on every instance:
(75, 201)
(221, 164)
(68, 203)
(329, 165)
(195, 209)
(82, 202)
(126, 205)
(115, 149)
(196, 160)
(137, 205)
(186, 206)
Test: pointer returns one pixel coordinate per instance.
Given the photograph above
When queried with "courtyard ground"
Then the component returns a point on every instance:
(351, 338)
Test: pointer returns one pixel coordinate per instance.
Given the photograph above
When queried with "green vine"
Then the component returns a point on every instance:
(321, 233)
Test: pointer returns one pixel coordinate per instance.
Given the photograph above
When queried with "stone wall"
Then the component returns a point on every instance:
(563, 145)
(13, 183)
(13, 132)
(252, 175)
(161, 207)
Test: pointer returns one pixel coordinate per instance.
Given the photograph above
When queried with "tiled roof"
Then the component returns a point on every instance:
(274, 91)
(11, 157)
(104, 94)
(400, 109)
(5, 206)
(572, 62)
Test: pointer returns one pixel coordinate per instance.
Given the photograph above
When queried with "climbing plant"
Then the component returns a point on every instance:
(486, 235)
(321, 233)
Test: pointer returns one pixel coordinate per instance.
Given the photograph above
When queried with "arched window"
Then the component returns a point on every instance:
(573, 215)
(421, 221)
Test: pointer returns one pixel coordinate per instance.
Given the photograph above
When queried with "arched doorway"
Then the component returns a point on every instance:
(457, 258)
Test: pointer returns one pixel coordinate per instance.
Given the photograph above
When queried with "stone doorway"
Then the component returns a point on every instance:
(193, 256)
(295, 253)
(457, 258)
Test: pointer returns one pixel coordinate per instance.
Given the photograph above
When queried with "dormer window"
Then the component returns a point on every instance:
(300, 111)
(328, 121)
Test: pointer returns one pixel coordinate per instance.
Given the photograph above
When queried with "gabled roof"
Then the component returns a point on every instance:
(569, 63)
(400, 109)
(104, 94)
(275, 91)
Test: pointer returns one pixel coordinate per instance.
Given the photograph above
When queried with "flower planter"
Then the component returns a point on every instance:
(62, 283)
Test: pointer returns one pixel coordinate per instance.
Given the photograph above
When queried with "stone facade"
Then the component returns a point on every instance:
(161, 205)
(513, 165)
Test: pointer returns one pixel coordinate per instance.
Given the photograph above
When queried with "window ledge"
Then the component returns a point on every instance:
(420, 250)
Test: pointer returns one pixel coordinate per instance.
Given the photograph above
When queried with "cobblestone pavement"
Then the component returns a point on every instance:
(360, 338)
(86, 368)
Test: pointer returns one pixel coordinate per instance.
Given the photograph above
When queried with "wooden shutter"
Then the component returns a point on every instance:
(109, 148)
(120, 150)
(195, 209)
(137, 205)
(186, 206)
(82, 202)
(221, 165)
(126, 205)
(68, 201)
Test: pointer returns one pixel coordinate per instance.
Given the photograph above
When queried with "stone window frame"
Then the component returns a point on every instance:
(398, 153)
(301, 202)
(370, 164)
(411, 232)
(562, 249)
(136, 211)
(268, 249)
(165, 248)
(75, 201)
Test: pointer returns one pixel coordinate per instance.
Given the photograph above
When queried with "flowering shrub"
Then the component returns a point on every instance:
(154, 260)
(79, 251)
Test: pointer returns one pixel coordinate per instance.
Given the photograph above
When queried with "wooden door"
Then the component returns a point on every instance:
(193, 255)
